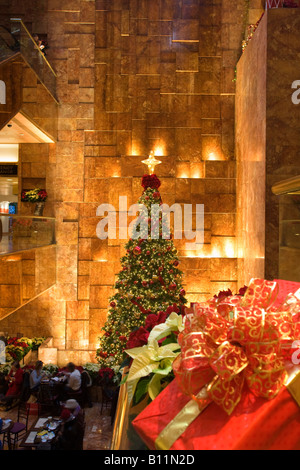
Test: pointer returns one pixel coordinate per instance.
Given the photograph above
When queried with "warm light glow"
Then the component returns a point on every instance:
(219, 248)
(135, 151)
(229, 248)
(196, 174)
(12, 258)
(159, 151)
(151, 162)
(183, 175)
(9, 153)
(216, 253)
(213, 152)
(212, 156)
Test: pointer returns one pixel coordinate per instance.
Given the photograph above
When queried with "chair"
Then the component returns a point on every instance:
(106, 398)
(86, 383)
(76, 395)
(19, 428)
(25, 391)
(48, 399)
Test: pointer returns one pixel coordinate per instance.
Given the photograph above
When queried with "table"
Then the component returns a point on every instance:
(31, 440)
(50, 394)
(6, 427)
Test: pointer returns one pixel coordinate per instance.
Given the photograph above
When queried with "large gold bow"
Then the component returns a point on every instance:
(237, 341)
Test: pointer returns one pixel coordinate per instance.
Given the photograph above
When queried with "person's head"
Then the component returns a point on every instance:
(66, 415)
(35, 37)
(71, 405)
(39, 365)
(15, 365)
(71, 367)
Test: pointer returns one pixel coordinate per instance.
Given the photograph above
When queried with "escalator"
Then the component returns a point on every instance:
(19, 44)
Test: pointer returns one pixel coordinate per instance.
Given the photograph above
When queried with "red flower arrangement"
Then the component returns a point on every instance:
(34, 195)
(106, 373)
(242, 291)
(139, 337)
(228, 293)
(223, 293)
(150, 181)
(15, 342)
(17, 349)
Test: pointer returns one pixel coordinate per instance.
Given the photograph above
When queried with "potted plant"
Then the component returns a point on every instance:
(37, 196)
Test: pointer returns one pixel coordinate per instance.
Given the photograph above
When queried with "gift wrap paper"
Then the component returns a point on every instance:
(234, 386)
(255, 423)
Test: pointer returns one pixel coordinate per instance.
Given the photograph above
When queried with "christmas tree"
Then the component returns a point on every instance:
(149, 282)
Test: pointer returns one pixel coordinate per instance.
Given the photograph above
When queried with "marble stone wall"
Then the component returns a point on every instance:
(23, 277)
(283, 120)
(251, 156)
(134, 75)
(264, 109)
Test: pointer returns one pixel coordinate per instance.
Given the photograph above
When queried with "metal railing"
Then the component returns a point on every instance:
(19, 40)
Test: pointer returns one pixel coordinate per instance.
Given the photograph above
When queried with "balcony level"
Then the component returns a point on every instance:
(27, 260)
(27, 80)
(19, 44)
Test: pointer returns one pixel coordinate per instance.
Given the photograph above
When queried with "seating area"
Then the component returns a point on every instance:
(98, 427)
(49, 400)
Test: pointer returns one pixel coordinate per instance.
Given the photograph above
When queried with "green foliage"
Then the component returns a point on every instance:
(149, 282)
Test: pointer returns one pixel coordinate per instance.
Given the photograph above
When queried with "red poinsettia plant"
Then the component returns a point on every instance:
(228, 293)
(106, 372)
(140, 336)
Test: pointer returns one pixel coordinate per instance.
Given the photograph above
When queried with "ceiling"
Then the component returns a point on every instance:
(21, 130)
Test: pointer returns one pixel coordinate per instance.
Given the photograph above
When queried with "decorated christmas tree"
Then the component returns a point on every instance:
(149, 283)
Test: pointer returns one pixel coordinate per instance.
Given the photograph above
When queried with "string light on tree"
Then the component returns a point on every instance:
(149, 282)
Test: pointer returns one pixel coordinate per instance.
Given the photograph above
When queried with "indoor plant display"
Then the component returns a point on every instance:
(36, 195)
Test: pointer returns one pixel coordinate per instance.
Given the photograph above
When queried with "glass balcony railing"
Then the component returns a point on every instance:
(18, 233)
(9, 44)
(289, 228)
(20, 40)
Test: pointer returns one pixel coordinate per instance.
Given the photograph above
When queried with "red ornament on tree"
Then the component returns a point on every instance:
(137, 250)
(172, 286)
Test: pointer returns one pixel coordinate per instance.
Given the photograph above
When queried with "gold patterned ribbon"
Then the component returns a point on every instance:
(177, 426)
(228, 344)
(180, 423)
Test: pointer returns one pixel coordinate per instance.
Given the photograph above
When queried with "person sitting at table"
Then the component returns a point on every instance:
(74, 379)
(76, 411)
(70, 437)
(15, 381)
(36, 376)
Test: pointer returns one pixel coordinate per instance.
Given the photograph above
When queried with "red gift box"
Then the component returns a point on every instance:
(229, 391)
(255, 424)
